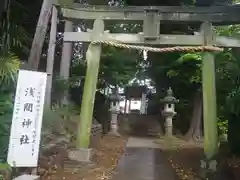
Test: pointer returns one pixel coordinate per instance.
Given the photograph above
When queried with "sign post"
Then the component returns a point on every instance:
(27, 119)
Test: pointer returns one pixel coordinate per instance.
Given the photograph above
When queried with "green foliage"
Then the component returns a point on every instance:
(50, 119)
(232, 30)
(9, 65)
(233, 133)
(118, 66)
(13, 33)
(17, 38)
(56, 123)
(59, 89)
(6, 104)
(6, 109)
(222, 126)
(232, 113)
(233, 100)
(228, 88)
(187, 67)
(4, 167)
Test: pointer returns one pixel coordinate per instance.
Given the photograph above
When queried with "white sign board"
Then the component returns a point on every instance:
(27, 119)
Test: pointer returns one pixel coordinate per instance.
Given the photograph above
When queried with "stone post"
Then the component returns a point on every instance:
(129, 105)
(125, 106)
(143, 104)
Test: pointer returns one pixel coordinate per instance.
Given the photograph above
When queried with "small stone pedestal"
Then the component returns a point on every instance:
(168, 122)
(169, 111)
(126, 125)
(114, 123)
(208, 169)
(80, 155)
(115, 98)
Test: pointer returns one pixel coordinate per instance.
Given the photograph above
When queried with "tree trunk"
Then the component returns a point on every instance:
(39, 37)
(194, 133)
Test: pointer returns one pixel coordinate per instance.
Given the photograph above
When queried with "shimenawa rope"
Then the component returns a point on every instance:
(167, 49)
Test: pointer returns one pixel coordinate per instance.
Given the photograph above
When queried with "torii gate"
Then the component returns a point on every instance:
(151, 17)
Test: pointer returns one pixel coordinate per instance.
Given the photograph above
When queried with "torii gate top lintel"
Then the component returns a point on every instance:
(215, 14)
(152, 16)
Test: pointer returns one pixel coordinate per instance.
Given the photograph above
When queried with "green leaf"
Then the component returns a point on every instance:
(9, 65)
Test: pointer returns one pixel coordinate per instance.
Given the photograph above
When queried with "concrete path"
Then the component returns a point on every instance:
(143, 160)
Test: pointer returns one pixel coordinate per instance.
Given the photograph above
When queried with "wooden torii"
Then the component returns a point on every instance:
(151, 17)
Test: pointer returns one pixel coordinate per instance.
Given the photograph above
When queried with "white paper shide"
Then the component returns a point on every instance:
(27, 119)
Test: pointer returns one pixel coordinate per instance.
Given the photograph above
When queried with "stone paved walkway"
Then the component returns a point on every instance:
(143, 160)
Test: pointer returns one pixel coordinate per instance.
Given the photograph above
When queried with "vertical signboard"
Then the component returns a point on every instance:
(27, 119)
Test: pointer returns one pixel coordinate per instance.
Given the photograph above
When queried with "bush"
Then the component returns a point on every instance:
(222, 126)
(233, 101)
(101, 106)
(234, 134)
(55, 121)
(6, 109)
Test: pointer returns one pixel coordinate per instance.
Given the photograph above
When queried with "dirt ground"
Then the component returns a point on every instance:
(185, 158)
(186, 161)
(105, 158)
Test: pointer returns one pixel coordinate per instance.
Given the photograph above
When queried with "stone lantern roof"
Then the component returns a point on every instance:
(169, 99)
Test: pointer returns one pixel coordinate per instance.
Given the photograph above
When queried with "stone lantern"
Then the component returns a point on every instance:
(169, 111)
(115, 108)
